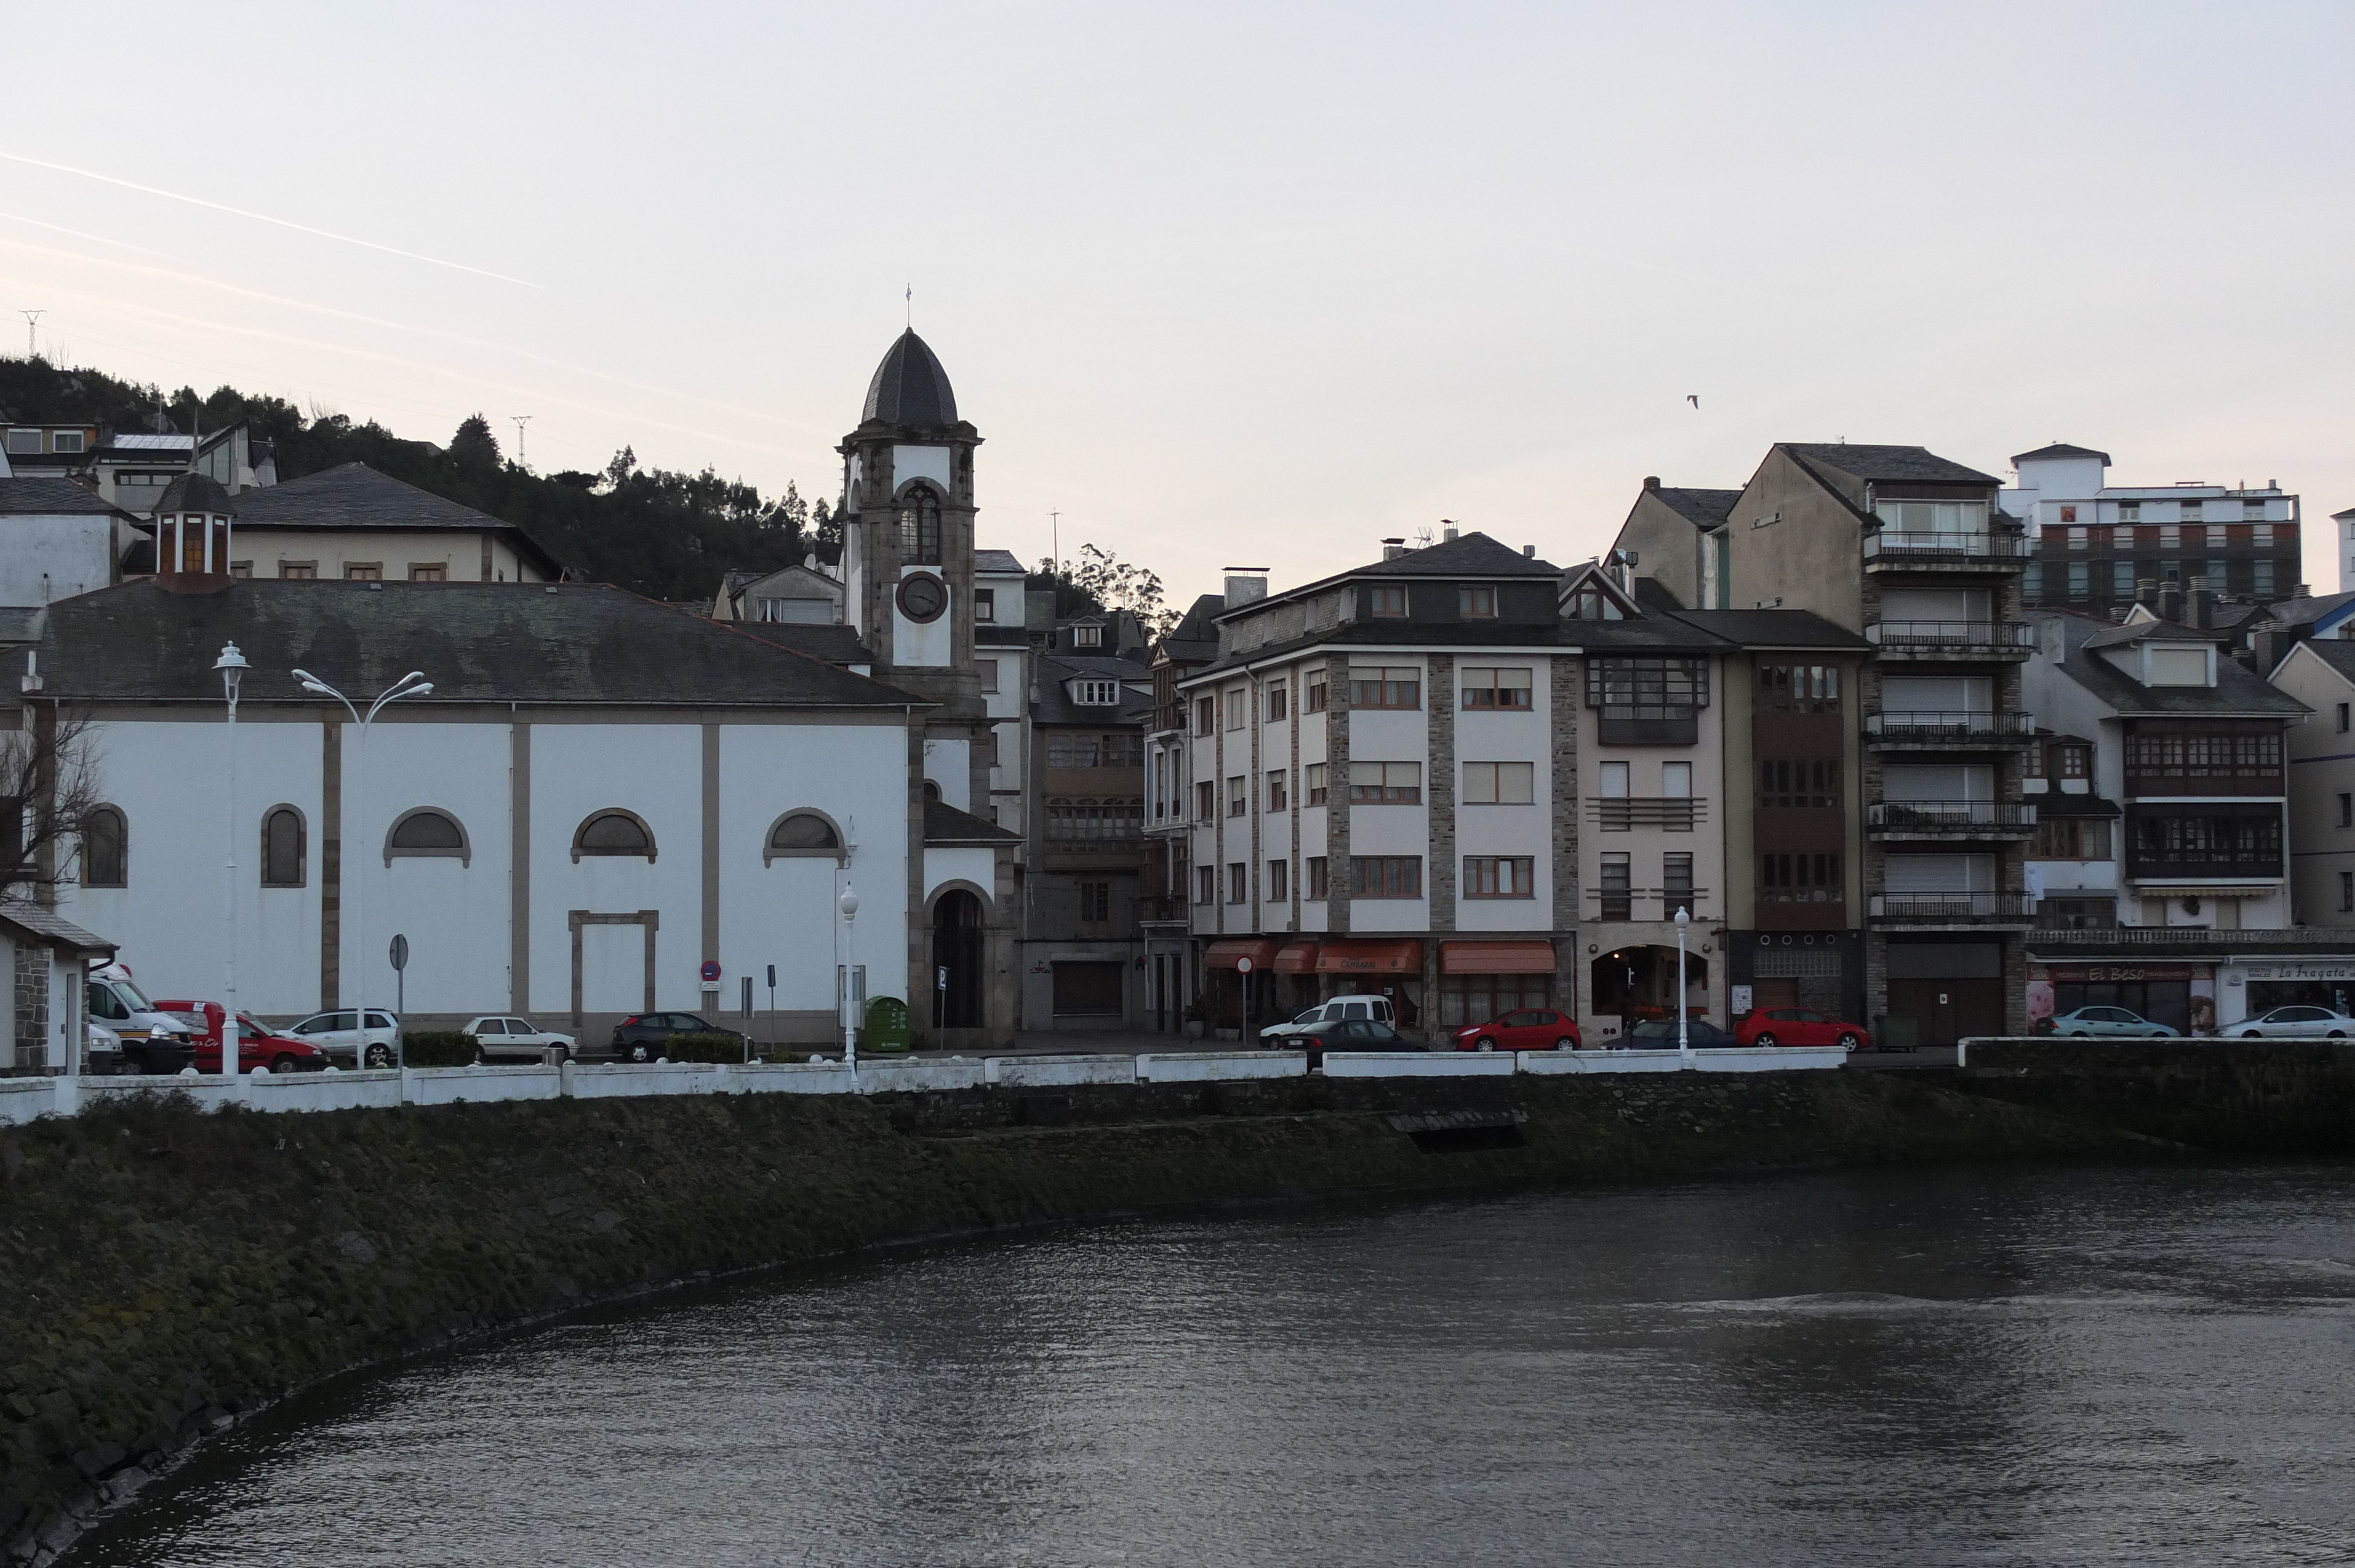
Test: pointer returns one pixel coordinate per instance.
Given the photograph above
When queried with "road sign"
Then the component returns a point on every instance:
(399, 953)
(711, 971)
(773, 976)
(1244, 965)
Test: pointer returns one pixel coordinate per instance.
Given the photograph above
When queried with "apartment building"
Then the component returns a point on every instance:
(1165, 874)
(1910, 552)
(2093, 544)
(2163, 797)
(1460, 777)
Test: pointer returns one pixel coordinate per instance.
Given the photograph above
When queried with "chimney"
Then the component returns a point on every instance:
(1393, 549)
(1531, 551)
(2201, 606)
(1245, 584)
(2146, 592)
(1651, 482)
(1447, 528)
(2170, 600)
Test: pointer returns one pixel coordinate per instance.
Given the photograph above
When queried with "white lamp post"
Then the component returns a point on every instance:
(1684, 1028)
(848, 905)
(232, 666)
(413, 684)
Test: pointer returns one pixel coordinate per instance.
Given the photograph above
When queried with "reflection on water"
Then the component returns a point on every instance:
(2051, 1366)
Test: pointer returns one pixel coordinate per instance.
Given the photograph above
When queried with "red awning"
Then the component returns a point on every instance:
(1495, 958)
(1260, 950)
(1297, 959)
(1368, 956)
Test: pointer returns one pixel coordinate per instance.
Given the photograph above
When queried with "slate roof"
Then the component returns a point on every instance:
(196, 492)
(50, 498)
(944, 824)
(353, 495)
(1772, 628)
(48, 925)
(2061, 450)
(909, 387)
(496, 642)
(834, 643)
(997, 561)
(1195, 639)
(1050, 702)
(1701, 508)
(1467, 554)
(2148, 631)
(2236, 694)
(1886, 464)
(2306, 612)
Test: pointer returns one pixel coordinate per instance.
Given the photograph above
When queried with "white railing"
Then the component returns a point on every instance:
(27, 1099)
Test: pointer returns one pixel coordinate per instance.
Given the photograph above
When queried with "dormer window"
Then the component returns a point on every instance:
(1592, 603)
(1087, 636)
(2075, 761)
(1386, 601)
(1096, 694)
(1476, 603)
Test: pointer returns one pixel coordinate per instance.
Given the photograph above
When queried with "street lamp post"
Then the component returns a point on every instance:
(1684, 1023)
(413, 684)
(232, 667)
(848, 905)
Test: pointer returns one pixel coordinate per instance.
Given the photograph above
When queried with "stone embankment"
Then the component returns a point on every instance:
(167, 1272)
(2263, 1097)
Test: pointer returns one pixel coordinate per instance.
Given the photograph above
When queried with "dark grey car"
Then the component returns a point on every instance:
(642, 1036)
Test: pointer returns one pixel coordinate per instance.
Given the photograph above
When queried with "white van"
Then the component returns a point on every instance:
(149, 1041)
(1374, 1009)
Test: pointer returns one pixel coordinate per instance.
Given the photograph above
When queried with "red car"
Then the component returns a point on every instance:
(1800, 1026)
(1533, 1029)
(257, 1047)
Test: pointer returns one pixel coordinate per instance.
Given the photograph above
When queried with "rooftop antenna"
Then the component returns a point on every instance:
(520, 421)
(1055, 546)
(32, 321)
(912, 307)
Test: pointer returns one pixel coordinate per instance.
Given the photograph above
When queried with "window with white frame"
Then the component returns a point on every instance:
(1096, 694)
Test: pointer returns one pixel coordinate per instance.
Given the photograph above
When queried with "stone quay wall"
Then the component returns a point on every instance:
(167, 1272)
(2261, 1096)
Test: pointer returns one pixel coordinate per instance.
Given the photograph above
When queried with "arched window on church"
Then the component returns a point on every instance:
(920, 527)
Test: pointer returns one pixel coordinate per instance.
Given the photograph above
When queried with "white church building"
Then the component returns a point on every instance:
(601, 800)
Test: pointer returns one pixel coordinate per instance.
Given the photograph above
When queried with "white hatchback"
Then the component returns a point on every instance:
(2303, 1023)
(343, 1036)
(499, 1035)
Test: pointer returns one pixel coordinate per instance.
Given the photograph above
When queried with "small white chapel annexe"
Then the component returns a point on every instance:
(600, 794)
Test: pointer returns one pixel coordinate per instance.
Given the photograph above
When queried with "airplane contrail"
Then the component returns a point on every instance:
(77, 234)
(262, 217)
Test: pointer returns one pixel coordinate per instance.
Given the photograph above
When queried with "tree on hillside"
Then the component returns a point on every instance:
(1103, 581)
(474, 446)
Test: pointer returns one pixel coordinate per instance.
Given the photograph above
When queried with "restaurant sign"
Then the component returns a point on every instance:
(2097, 974)
(2321, 969)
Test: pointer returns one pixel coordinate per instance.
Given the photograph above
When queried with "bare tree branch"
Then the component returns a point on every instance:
(48, 786)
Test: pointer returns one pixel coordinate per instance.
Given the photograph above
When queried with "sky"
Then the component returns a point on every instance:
(1224, 284)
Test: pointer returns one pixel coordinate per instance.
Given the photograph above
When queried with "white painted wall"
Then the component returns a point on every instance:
(1484, 736)
(456, 916)
(655, 771)
(925, 644)
(394, 551)
(50, 559)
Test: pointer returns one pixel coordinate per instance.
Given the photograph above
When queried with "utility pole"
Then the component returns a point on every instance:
(1055, 539)
(520, 421)
(32, 322)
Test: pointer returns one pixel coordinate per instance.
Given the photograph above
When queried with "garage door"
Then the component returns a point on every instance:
(1087, 990)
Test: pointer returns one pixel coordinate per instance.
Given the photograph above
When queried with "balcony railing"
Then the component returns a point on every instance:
(1960, 726)
(1162, 907)
(2307, 939)
(1952, 636)
(1951, 907)
(1624, 813)
(1951, 816)
(1887, 546)
(1639, 903)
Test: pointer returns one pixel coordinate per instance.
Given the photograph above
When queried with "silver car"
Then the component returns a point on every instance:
(2300, 1022)
(2113, 1022)
(342, 1035)
(498, 1035)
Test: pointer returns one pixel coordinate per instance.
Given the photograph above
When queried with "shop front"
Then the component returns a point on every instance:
(1480, 981)
(1238, 986)
(2181, 995)
(1384, 966)
(2252, 986)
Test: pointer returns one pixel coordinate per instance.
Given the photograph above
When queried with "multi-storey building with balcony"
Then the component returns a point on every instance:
(1462, 779)
(2163, 845)
(2093, 545)
(1911, 551)
(1165, 879)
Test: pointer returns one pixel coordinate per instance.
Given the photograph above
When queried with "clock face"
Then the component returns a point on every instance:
(923, 597)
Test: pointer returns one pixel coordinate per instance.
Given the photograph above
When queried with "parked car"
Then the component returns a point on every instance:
(500, 1035)
(153, 1040)
(641, 1037)
(342, 1035)
(1347, 1034)
(1373, 1009)
(2107, 1023)
(1531, 1029)
(1660, 1034)
(1801, 1026)
(257, 1045)
(2300, 1022)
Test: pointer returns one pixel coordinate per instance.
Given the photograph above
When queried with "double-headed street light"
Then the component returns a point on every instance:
(232, 667)
(413, 684)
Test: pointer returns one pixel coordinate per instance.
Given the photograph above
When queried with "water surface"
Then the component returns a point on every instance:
(1955, 1366)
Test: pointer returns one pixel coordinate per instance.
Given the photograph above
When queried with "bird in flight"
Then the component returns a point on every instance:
(1693, 399)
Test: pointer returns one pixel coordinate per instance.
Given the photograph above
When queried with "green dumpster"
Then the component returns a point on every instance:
(887, 1025)
(1897, 1031)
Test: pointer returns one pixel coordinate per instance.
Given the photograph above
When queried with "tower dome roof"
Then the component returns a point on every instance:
(910, 386)
(195, 491)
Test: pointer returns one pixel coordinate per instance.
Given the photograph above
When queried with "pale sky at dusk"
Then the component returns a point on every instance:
(1225, 283)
